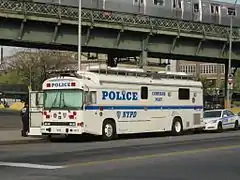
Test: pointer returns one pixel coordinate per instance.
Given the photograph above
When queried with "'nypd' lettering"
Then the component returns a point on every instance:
(129, 114)
(117, 95)
(61, 84)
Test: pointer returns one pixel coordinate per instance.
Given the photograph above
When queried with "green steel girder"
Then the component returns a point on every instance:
(99, 18)
(104, 41)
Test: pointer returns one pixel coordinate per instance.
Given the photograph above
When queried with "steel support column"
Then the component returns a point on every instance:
(199, 46)
(223, 49)
(174, 44)
(144, 54)
(55, 33)
(119, 37)
(21, 31)
(88, 35)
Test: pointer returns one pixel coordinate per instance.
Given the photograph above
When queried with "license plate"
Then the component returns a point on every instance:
(58, 130)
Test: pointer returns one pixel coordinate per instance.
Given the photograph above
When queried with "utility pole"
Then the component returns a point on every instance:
(1, 58)
(79, 34)
(230, 75)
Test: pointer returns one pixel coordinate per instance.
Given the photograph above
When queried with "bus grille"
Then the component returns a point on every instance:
(197, 119)
(59, 123)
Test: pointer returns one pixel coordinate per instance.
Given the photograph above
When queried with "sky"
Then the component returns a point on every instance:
(229, 1)
(8, 51)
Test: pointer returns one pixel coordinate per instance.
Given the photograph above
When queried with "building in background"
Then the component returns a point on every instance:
(215, 73)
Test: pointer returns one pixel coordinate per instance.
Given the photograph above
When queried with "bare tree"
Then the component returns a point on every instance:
(31, 65)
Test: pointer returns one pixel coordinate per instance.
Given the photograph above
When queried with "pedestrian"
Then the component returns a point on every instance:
(25, 119)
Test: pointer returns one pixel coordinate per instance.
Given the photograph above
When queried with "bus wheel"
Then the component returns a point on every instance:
(108, 130)
(177, 126)
(50, 138)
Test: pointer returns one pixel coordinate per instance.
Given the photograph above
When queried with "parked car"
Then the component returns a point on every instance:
(220, 119)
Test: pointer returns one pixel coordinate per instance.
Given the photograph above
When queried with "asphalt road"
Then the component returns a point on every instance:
(9, 120)
(203, 156)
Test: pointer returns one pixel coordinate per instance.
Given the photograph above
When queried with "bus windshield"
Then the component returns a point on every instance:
(69, 99)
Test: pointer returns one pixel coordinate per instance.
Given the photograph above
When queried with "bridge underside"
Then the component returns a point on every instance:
(36, 34)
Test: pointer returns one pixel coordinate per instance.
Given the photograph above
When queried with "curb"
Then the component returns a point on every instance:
(23, 141)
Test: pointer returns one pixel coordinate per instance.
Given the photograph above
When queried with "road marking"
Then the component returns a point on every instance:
(148, 156)
(28, 165)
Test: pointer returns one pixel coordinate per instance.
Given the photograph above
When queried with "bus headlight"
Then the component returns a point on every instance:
(47, 124)
(72, 124)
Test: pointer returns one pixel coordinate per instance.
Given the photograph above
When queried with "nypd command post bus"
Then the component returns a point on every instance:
(112, 101)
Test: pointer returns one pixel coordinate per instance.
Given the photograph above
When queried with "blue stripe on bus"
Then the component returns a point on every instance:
(142, 107)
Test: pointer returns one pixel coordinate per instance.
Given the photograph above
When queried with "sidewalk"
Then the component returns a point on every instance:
(8, 137)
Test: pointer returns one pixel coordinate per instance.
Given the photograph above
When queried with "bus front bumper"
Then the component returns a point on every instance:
(61, 130)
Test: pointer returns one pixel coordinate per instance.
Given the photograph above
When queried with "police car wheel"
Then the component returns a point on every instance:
(236, 126)
(220, 128)
(108, 130)
(177, 127)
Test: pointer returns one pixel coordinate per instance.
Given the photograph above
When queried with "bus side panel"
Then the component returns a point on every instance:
(138, 116)
(192, 113)
(93, 121)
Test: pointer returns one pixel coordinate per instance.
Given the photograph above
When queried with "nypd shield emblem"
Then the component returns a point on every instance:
(118, 114)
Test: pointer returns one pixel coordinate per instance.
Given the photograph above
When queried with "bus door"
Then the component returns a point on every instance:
(35, 112)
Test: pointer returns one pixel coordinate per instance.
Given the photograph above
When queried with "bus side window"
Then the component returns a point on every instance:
(93, 97)
(144, 92)
(183, 94)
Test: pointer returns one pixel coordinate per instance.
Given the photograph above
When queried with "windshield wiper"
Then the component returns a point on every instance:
(54, 101)
(64, 104)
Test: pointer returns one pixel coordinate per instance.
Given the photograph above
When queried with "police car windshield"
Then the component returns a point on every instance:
(69, 99)
(212, 114)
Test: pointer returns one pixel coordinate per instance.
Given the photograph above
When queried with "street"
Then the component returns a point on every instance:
(201, 156)
(9, 119)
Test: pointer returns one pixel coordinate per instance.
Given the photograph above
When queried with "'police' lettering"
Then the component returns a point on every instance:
(112, 95)
(61, 84)
(118, 95)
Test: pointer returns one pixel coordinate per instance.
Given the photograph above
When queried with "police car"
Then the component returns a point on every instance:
(220, 119)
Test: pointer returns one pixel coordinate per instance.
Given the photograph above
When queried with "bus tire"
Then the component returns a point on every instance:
(177, 127)
(50, 138)
(108, 130)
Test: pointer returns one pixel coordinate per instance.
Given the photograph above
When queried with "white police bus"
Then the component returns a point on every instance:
(111, 101)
